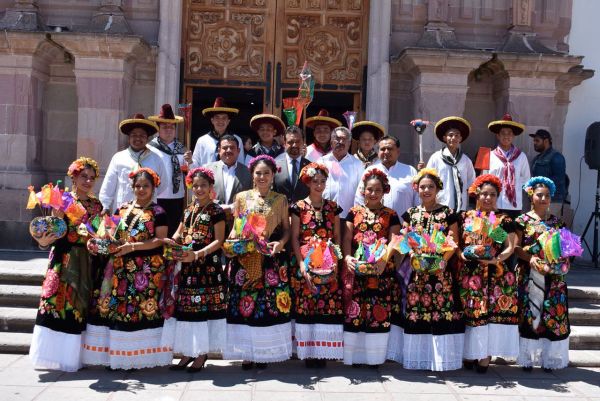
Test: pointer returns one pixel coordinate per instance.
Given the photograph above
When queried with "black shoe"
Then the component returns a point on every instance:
(469, 365)
(194, 369)
(527, 368)
(261, 365)
(182, 366)
(247, 365)
(482, 369)
(310, 363)
(547, 370)
(321, 363)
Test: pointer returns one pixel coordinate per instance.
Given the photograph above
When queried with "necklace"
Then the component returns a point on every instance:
(318, 210)
(421, 216)
(195, 218)
(262, 204)
(130, 228)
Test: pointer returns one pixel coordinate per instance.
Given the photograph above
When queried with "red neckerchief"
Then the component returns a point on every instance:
(507, 174)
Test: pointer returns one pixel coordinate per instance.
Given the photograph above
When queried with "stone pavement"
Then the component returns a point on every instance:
(291, 381)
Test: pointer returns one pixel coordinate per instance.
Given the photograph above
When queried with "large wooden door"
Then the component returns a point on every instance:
(252, 51)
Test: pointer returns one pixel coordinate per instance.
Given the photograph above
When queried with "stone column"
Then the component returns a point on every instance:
(378, 69)
(439, 90)
(169, 54)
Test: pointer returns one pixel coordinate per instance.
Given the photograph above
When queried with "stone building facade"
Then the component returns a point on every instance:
(71, 69)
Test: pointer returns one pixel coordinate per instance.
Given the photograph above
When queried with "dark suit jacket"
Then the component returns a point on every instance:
(282, 183)
(243, 181)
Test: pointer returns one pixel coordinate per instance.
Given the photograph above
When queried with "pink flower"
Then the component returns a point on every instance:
(140, 281)
(353, 310)
(320, 304)
(497, 291)
(122, 287)
(465, 282)
(369, 237)
(240, 277)
(272, 277)
(426, 300)
(440, 300)
(475, 283)
(246, 305)
(510, 278)
(412, 298)
(50, 283)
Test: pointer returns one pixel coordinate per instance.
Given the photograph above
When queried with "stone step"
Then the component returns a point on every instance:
(584, 338)
(23, 267)
(584, 313)
(20, 295)
(584, 293)
(17, 319)
(15, 342)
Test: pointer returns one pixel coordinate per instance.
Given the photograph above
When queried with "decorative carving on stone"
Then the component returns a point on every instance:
(437, 10)
(522, 10)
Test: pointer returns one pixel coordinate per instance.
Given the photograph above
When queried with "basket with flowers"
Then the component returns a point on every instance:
(321, 258)
(555, 247)
(102, 232)
(368, 254)
(483, 230)
(249, 230)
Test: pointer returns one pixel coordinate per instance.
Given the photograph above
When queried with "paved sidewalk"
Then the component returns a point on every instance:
(291, 381)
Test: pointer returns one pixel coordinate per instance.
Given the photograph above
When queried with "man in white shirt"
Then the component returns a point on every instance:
(402, 196)
(206, 147)
(321, 125)
(116, 188)
(508, 163)
(171, 152)
(454, 167)
(345, 171)
(287, 179)
(231, 176)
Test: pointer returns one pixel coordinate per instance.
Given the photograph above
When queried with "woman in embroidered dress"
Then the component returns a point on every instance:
(258, 312)
(375, 302)
(61, 317)
(125, 328)
(433, 325)
(488, 288)
(200, 305)
(318, 309)
(545, 324)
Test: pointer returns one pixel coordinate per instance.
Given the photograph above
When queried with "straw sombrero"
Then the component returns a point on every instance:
(376, 129)
(507, 122)
(220, 107)
(322, 119)
(166, 115)
(259, 119)
(138, 121)
(459, 123)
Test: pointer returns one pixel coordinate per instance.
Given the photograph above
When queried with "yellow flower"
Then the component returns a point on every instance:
(427, 317)
(448, 315)
(284, 302)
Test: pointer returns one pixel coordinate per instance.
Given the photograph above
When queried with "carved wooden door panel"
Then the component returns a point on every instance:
(332, 35)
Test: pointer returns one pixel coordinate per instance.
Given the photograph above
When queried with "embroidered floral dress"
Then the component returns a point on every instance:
(433, 325)
(548, 345)
(200, 304)
(259, 301)
(125, 329)
(318, 317)
(62, 312)
(489, 299)
(375, 303)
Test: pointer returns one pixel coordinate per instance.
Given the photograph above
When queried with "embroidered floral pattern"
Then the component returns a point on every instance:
(375, 301)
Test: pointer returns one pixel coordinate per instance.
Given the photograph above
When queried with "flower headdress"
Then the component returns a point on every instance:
(256, 159)
(79, 165)
(533, 181)
(475, 188)
(427, 171)
(189, 178)
(149, 171)
(311, 169)
(380, 175)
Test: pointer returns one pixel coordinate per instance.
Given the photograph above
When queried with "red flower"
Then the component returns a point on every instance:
(475, 283)
(50, 283)
(246, 305)
(426, 300)
(510, 278)
(379, 313)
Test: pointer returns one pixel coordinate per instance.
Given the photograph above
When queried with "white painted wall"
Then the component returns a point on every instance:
(583, 110)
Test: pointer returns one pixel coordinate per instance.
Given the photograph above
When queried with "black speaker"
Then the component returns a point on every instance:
(592, 146)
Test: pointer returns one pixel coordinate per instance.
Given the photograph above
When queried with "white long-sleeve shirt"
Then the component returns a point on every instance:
(467, 175)
(402, 196)
(522, 174)
(206, 151)
(344, 176)
(167, 179)
(116, 187)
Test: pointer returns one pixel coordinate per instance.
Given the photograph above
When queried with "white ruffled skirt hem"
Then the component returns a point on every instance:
(543, 352)
(127, 349)
(259, 344)
(319, 341)
(365, 348)
(395, 348)
(55, 350)
(193, 339)
(492, 340)
(433, 352)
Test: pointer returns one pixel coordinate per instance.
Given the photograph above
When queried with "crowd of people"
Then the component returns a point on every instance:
(136, 308)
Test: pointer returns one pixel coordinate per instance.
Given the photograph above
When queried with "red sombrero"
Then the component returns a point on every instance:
(138, 121)
(220, 107)
(322, 119)
(166, 115)
(507, 122)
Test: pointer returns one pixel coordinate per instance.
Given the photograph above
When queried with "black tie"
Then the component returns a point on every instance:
(294, 172)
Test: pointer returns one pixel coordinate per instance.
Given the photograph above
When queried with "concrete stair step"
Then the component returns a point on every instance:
(23, 267)
(17, 319)
(15, 342)
(20, 295)
(584, 313)
(584, 338)
(584, 293)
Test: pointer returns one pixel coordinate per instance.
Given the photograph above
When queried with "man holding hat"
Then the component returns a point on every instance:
(550, 163)
(267, 126)
(508, 163)
(171, 152)
(454, 167)
(321, 125)
(367, 133)
(206, 147)
(116, 187)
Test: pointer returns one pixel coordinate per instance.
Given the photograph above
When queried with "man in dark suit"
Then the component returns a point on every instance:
(289, 164)
(231, 176)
